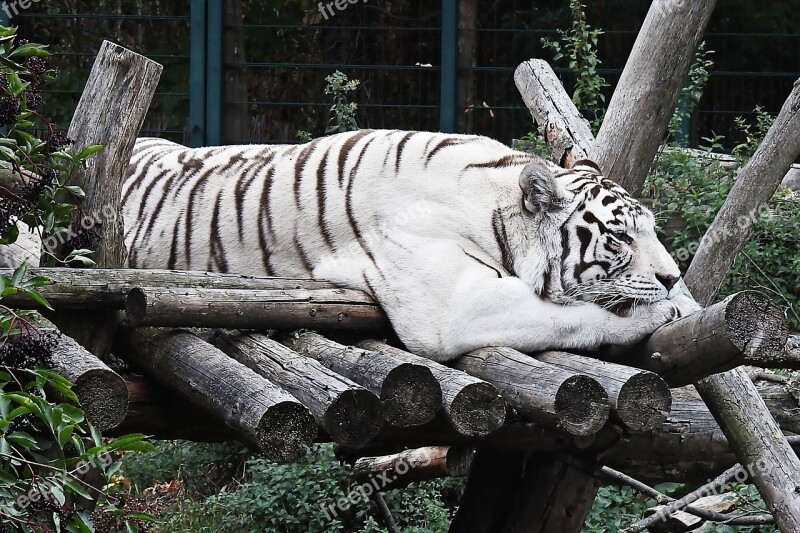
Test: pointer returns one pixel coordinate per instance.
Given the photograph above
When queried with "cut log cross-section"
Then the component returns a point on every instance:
(543, 392)
(350, 414)
(409, 393)
(472, 406)
(261, 411)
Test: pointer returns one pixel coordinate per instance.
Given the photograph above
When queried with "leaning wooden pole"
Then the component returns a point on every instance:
(644, 99)
(732, 397)
(110, 112)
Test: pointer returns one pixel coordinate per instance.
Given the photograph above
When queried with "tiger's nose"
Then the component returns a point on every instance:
(667, 280)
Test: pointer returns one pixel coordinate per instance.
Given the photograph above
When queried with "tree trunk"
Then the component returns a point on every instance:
(410, 395)
(644, 100)
(111, 111)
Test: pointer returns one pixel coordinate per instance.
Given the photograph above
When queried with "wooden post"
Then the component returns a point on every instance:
(410, 395)
(254, 309)
(261, 411)
(417, 464)
(350, 414)
(111, 111)
(473, 407)
(545, 393)
(644, 99)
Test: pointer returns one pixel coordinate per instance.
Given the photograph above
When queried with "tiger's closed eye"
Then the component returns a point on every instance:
(622, 236)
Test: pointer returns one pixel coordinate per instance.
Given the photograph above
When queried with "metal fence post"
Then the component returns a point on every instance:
(449, 69)
(197, 74)
(214, 43)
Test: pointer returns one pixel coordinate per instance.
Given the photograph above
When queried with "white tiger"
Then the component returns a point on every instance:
(464, 242)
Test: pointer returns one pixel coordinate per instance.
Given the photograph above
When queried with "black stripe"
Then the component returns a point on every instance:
(484, 263)
(400, 146)
(347, 146)
(264, 210)
(303, 254)
(505, 161)
(326, 234)
(238, 191)
(200, 183)
(217, 251)
(249, 174)
(501, 237)
(442, 144)
(299, 166)
(173, 251)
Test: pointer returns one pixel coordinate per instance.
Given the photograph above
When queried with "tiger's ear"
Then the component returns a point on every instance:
(540, 192)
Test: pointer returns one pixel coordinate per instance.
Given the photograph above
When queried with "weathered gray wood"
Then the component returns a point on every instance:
(410, 395)
(640, 400)
(746, 327)
(254, 309)
(350, 414)
(731, 396)
(754, 187)
(416, 464)
(84, 288)
(557, 119)
(261, 411)
(111, 111)
(545, 393)
(101, 392)
(472, 406)
(644, 100)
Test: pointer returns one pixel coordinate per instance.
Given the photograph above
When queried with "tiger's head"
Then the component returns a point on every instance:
(610, 254)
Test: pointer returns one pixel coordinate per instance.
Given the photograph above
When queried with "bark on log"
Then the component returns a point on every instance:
(557, 119)
(744, 328)
(85, 288)
(262, 412)
(410, 395)
(323, 309)
(101, 392)
(161, 414)
(645, 97)
(350, 414)
(640, 400)
(124, 83)
(418, 464)
(731, 396)
(754, 186)
(472, 406)
(545, 393)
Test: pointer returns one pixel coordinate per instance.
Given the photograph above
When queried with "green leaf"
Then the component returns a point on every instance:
(89, 150)
(39, 299)
(19, 273)
(76, 191)
(30, 50)
(15, 84)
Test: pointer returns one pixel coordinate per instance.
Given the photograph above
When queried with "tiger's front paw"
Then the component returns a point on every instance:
(646, 318)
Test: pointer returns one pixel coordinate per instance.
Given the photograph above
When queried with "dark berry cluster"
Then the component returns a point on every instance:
(9, 104)
(29, 350)
(49, 505)
(82, 238)
(56, 141)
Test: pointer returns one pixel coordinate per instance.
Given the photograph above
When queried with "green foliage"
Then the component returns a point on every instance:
(578, 44)
(692, 93)
(287, 498)
(614, 508)
(342, 113)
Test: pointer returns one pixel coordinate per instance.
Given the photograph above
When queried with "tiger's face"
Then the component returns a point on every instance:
(610, 253)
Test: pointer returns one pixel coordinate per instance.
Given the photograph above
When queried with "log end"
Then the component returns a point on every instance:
(581, 406)
(477, 410)
(644, 402)
(756, 326)
(103, 396)
(410, 395)
(285, 432)
(353, 418)
(135, 306)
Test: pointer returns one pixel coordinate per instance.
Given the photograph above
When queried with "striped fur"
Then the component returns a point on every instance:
(463, 241)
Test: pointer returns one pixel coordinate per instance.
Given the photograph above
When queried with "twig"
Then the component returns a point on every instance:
(663, 499)
(386, 514)
(711, 487)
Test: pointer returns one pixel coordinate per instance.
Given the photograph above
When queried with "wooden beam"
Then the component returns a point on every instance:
(542, 392)
(254, 309)
(417, 464)
(472, 407)
(111, 112)
(410, 395)
(350, 414)
(262, 412)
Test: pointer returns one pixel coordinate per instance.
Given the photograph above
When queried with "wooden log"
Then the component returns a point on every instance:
(743, 328)
(125, 82)
(86, 288)
(472, 406)
(644, 100)
(410, 395)
(101, 392)
(162, 414)
(558, 120)
(323, 309)
(262, 412)
(419, 464)
(350, 414)
(640, 400)
(545, 393)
